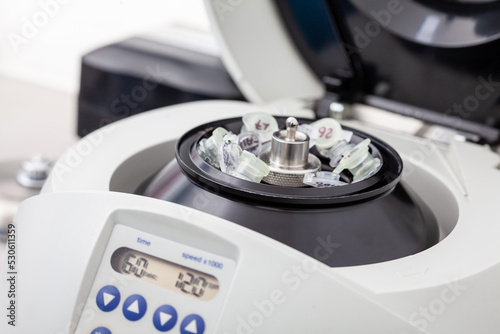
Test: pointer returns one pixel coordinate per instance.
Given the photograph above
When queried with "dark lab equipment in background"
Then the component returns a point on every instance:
(140, 74)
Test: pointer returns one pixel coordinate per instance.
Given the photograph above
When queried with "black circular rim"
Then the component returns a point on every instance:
(214, 180)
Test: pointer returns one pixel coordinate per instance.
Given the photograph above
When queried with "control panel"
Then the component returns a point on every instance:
(149, 284)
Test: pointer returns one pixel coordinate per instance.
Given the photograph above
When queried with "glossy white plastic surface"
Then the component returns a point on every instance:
(259, 54)
(460, 184)
(273, 289)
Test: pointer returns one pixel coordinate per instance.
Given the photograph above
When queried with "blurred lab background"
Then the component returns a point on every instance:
(41, 50)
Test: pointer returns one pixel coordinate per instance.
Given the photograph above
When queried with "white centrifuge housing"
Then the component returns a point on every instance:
(76, 244)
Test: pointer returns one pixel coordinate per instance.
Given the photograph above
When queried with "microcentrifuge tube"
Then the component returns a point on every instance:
(250, 168)
(323, 180)
(229, 152)
(329, 132)
(359, 162)
(208, 148)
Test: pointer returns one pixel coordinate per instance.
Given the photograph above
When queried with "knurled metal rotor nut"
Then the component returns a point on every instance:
(289, 159)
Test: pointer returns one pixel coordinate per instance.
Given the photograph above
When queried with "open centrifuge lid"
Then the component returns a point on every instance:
(262, 74)
(264, 50)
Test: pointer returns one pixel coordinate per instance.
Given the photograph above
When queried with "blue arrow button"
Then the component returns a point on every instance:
(134, 307)
(108, 298)
(101, 330)
(193, 324)
(165, 318)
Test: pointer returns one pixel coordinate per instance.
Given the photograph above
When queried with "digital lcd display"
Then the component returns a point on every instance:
(165, 274)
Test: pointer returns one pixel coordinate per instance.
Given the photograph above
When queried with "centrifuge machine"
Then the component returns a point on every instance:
(154, 224)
